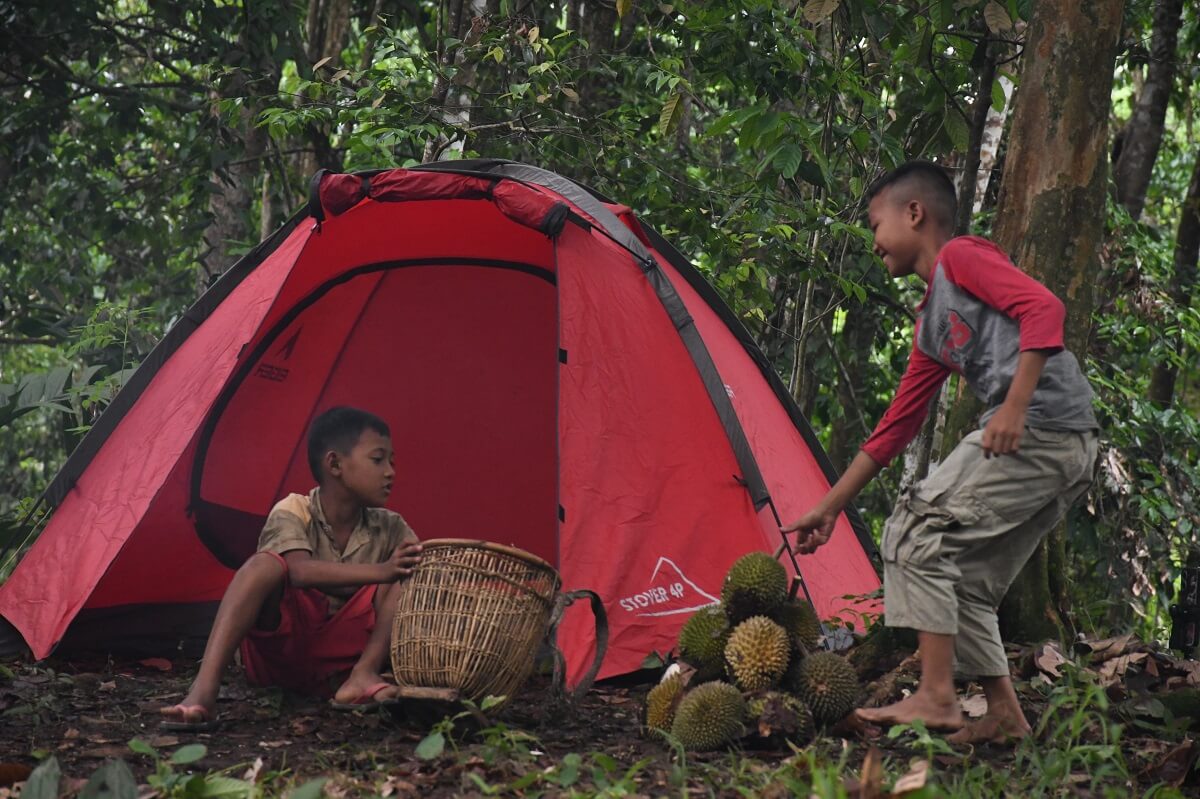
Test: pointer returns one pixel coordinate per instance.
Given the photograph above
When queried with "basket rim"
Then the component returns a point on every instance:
(474, 543)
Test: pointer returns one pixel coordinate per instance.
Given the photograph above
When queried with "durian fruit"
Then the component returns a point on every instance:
(709, 716)
(702, 642)
(801, 622)
(776, 717)
(756, 585)
(661, 703)
(827, 683)
(757, 653)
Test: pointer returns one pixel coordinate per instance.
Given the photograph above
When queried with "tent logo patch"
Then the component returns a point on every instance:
(670, 592)
(277, 374)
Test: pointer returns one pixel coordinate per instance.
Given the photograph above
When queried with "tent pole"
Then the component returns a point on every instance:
(787, 547)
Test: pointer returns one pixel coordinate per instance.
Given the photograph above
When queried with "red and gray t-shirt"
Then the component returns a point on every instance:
(979, 313)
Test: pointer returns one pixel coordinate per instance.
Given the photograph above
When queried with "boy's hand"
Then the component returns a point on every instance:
(812, 529)
(1002, 435)
(402, 562)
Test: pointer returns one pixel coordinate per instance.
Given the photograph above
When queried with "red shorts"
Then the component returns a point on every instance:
(309, 648)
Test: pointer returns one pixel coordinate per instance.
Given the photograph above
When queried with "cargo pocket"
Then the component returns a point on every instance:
(926, 512)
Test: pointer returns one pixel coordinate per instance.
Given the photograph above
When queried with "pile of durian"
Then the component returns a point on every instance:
(755, 673)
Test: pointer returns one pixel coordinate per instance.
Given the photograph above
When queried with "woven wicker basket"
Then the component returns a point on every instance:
(470, 619)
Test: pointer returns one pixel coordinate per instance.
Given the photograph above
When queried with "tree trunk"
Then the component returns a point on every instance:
(1143, 134)
(1050, 215)
(327, 27)
(1183, 283)
(241, 143)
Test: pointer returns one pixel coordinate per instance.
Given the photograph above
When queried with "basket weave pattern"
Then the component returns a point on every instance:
(470, 618)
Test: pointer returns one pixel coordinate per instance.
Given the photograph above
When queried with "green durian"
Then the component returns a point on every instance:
(661, 702)
(709, 716)
(756, 585)
(757, 653)
(801, 622)
(827, 683)
(776, 717)
(702, 642)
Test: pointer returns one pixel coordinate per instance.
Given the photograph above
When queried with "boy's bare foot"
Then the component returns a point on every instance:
(364, 689)
(937, 714)
(197, 712)
(992, 728)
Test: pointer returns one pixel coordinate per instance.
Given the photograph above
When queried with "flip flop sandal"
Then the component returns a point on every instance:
(366, 699)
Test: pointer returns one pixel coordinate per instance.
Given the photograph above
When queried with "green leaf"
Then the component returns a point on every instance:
(956, 129)
(998, 98)
(788, 159)
(668, 118)
(313, 789)
(818, 10)
(568, 772)
(113, 780)
(217, 786)
(43, 782)
(490, 702)
(996, 17)
(143, 748)
(189, 753)
(624, 7)
(431, 746)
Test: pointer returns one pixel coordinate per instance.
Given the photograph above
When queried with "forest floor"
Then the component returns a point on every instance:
(1092, 739)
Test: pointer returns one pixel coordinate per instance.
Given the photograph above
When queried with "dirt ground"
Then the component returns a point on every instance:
(85, 712)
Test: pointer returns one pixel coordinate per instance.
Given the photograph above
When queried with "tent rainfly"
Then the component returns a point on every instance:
(556, 377)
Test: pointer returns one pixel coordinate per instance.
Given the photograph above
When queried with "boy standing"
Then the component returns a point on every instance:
(317, 598)
(958, 539)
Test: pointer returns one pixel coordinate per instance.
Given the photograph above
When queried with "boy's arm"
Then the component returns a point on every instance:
(921, 380)
(1002, 434)
(815, 527)
(304, 571)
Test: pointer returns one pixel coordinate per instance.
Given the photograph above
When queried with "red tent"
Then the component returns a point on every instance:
(556, 378)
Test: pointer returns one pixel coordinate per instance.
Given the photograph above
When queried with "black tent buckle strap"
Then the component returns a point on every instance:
(555, 218)
(561, 603)
(315, 209)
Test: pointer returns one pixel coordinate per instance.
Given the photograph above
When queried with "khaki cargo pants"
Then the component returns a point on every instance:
(958, 539)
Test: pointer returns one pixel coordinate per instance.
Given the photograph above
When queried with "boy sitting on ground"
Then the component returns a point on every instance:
(957, 540)
(317, 598)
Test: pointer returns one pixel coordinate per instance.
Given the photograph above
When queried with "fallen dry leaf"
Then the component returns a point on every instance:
(158, 664)
(252, 773)
(870, 784)
(1174, 766)
(101, 752)
(304, 725)
(974, 706)
(1109, 647)
(111, 685)
(160, 741)
(274, 744)
(914, 780)
(1048, 659)
(1111, 671)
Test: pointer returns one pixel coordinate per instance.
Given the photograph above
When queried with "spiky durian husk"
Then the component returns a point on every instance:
(661, 703)
(709, 716)
(757, 653)
(776, 717)
(702, 641)
(827, 683)
(755, 585)
(801, 622)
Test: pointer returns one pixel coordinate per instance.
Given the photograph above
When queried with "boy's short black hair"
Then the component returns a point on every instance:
(928, 183)
(338, 429)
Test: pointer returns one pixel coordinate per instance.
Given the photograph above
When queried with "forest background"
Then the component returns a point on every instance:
(145, 145)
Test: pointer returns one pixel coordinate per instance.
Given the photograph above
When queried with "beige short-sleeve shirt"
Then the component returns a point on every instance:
(297, 522)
